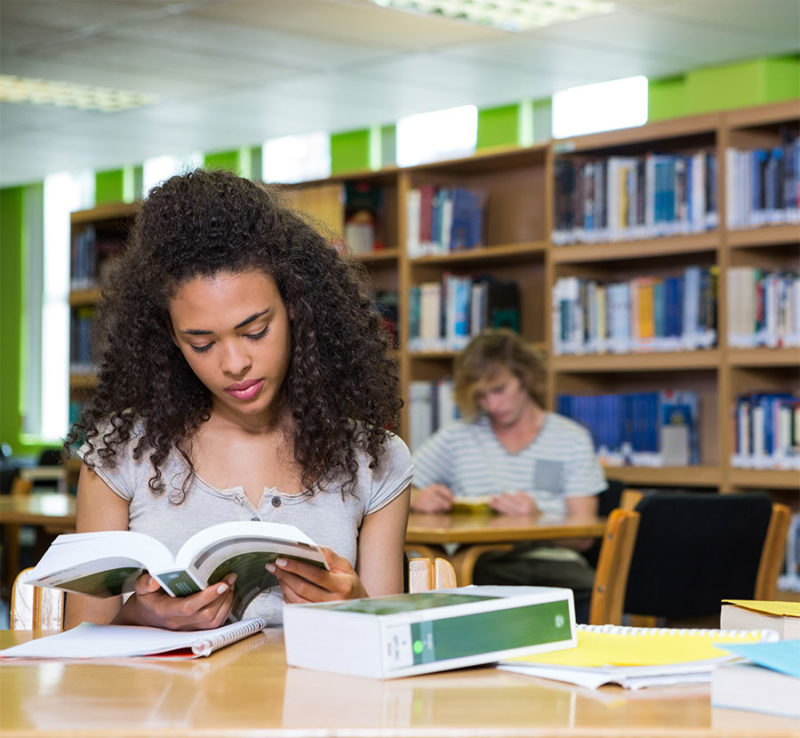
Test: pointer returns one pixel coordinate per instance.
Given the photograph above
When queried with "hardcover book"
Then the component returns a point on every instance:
(402, 635)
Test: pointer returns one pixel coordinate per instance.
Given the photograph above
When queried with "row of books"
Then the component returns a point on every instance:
(442, 219)
(762, 186)
(444, 315)
(81, 353)
(642, 314)
(767, 431)
(631, 197)
(766, 308)
(789, 579)
(639, 428)
(363, 216)
(92, 256)
(431, 406)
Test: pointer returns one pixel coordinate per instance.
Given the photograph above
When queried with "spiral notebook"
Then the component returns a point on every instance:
(637, 657)
(92, 641)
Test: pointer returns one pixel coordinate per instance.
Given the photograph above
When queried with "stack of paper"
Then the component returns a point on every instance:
(636, 657)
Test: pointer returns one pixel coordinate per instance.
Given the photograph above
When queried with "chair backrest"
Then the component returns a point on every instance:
(695, 549)
(425, 574)
(613, 564)
(35, 608)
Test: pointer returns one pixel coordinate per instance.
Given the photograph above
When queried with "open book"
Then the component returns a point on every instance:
(107, 563)
(92, 641)
(637, 657)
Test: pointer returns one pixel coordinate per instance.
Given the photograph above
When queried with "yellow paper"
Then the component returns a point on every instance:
(768, 607)
(643, 647)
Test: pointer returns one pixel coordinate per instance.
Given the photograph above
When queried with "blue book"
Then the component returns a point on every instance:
(467, 224)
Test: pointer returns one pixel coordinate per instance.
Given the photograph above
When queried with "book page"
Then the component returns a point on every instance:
(89, 640)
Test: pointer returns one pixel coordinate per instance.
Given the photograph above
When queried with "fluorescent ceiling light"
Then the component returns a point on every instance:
(70, 95)
(508, 15)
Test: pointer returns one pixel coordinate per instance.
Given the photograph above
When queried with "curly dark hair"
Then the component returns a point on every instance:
(341, 386)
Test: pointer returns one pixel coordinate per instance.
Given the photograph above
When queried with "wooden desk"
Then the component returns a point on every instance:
(247, 690)
(430, 532)
(53, 510)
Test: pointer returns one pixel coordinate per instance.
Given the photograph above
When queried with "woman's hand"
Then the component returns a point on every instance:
(151, 605)
(304, 582)
(435, 498)
(514, 503)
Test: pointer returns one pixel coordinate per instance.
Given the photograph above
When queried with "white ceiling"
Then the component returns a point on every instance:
(236, 72)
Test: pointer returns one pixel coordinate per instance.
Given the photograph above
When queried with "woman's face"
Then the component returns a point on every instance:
(501, 395)
(233, 330)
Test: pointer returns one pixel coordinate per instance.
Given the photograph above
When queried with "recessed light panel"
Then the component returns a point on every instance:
(508, 15)
(70, 95)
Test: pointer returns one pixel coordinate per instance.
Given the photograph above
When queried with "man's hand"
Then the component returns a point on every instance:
(514, 503)
(435, 498)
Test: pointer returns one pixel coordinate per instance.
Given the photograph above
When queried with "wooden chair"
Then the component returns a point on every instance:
(425, 574)
(695, 549)
(35, 608)
(42, 608)
(613, 565)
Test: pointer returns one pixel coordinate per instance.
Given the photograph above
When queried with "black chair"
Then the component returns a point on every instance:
(695, 549)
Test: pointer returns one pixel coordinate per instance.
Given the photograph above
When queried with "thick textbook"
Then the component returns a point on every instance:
(107, 563)
(636, 657)
(401, 635)
(783, 617)
(92, 641)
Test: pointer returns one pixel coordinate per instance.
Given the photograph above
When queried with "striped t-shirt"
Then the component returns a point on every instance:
(467, 457)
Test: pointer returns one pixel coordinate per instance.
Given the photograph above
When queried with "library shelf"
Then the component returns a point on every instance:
(688, 476)
(84, 297)
(107, 211)
(636, 362)
(82, 381)
(764, 357)
(377, 256)
(496, 254)
(788, 479)
(520, 246)
(636, 249)
(771, 235)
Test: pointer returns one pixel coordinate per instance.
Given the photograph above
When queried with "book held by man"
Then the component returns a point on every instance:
(401, 635)
(107, 563)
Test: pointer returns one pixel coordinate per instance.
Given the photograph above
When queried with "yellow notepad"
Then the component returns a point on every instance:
(626, 646)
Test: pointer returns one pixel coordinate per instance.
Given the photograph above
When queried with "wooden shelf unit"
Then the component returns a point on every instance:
(519, 246)
(111, 223)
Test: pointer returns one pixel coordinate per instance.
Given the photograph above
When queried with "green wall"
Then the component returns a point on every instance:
(725, 87)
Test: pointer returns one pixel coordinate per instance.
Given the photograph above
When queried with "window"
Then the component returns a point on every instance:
(45, 357)
(160, 168)
(442, 134)
(605, 106)
(296, 158)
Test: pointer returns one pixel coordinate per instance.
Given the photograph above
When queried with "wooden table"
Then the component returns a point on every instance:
(53, 512)
(246, 690)
(476, 533)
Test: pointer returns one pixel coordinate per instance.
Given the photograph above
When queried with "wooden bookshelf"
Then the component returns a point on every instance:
(519, 246)
(110, 225)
